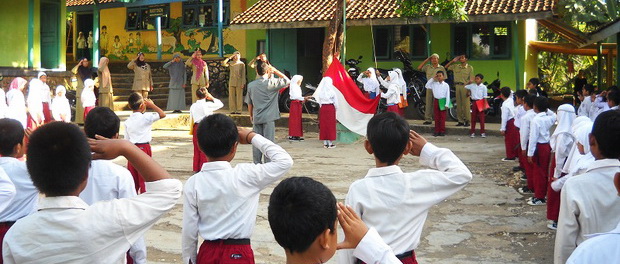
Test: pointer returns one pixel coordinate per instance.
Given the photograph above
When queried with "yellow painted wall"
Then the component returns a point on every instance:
(14, 29)
(127, 45)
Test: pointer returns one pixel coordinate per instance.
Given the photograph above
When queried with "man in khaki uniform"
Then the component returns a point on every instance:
(200, 75)
(236, 82)
(463, 75)
(430, 70)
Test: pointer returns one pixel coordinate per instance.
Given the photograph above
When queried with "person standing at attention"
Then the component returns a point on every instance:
(430, 70)
(200, 76)
(82, 71)
(106, 95)
(236, 82)
(262, 100)
(463, 75)
(178, 78)
(143, 79)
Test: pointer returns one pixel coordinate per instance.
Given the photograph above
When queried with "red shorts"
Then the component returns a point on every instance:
(238, 251)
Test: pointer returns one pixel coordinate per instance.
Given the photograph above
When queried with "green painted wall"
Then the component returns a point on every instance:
(14, 29)
(251, 37)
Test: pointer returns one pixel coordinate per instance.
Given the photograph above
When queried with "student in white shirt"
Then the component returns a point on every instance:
(586, 204)
(613, 98)
(508, 128)
(561, 143)
(524, 135)
(88, 97)
(395, 203)
(599, 105)
(303, 217)
(46, 97)
(220, 202)
(7, 190)
(17, 102)
(295, 129)
(35, 104)
(61, 109)
(106, 180)
(138, 131)
(3, 106)
(11, 149)
(539, 150)
(370, 82)
(477, 91)
(325, 95)
(392, 95)
(65, 229)
(519, 113)
(441, 90)
(403, 92)
(586, 102)
(203, 107)
(600, 247)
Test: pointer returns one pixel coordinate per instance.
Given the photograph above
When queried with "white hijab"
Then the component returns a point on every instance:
(401, 82)
(574, 154)
(60, 105)
(371, 84)
(566, 116)
(294, 82)
(325, 91)
(294, 88)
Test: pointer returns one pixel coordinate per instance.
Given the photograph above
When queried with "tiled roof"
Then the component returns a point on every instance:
(86, 2)
(282, 11)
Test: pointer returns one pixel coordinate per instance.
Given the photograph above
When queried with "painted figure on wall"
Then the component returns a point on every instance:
(117, 47)
(139, 41)
(192, 42)
(103, 41)
(130, 43)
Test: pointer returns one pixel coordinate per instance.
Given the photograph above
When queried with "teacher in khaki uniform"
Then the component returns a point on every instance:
(463, 75)
(142, 79)
(200, 73)
(430, 70)
(236, 82)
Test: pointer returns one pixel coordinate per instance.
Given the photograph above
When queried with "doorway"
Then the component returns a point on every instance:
(310, 54)
(50, 34)
(84, 24)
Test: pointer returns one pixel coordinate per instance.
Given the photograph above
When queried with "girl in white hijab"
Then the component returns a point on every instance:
(61, 110)
(392, 95)
(582, 159)
(295, 130)
(370, 82)
(35, 104)
(562, 139)
(88, 97)
(403, 88)
(16, 102)
(326, 97)
(574, 152)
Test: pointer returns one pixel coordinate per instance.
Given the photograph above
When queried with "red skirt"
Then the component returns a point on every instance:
(138, 180)
(553, 197)
(86, 110)
(327, 122)
(294, 120)
(211, 252)
(199, 156)
(47, 113)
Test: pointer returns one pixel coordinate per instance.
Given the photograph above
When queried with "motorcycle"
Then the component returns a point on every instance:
(309, 106)
(354, 71)
(493, 98)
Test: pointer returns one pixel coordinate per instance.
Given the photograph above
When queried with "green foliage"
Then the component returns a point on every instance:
(440, 9)
(589, 11)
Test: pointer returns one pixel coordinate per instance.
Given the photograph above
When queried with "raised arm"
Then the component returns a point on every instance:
(131, 65)
(423, 63)
(261, 175)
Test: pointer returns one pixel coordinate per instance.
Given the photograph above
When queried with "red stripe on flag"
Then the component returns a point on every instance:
(343, 82)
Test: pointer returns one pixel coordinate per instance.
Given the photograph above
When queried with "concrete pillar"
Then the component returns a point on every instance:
(531, 55)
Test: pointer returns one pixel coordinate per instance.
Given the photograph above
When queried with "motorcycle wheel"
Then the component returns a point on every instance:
(452, 111)
(284, 102)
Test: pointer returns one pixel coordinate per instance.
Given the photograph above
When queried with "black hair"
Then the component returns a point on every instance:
(521, 93)
(261, 67)
(606, 131)
(58, 158)
(535, 82)
(542, 104)
(217, 135)
(506, 91)
(533, 92)
(442, 73)
(589, 88)
(11, 134)
(529, 100)
(388, 134)
(479, 75)
(101, 121)
(614, 96)
(300, 209)
(135, 101)
(201, 93)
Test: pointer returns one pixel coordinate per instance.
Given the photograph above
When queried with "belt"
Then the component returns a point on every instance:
(7, 224)
(402, 256)
(142, 143)
(243, 241)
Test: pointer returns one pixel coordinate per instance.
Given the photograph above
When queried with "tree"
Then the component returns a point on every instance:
(440, 9)
(334, 38)
(594, 12)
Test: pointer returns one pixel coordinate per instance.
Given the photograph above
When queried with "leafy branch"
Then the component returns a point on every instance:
(441, 9)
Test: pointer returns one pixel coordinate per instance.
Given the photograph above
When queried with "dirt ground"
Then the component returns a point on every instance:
(487, 222)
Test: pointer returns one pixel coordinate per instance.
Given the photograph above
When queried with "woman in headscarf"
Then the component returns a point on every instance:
(370, 83)
(143, 79)
(46, 97)
(61, 110)
(200, 76)
(82, 71)
(176, 94)
(403, 92)
(35, 104)
(106, 92)
(295, 130)
(561, 143)
(392, 95)
(16, 101)
(326, 97)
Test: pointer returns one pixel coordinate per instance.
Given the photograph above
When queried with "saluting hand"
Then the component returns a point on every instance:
(417, 143)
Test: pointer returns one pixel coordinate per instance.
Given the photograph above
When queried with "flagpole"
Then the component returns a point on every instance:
(344, 32)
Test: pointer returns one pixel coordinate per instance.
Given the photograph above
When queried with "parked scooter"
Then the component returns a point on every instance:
(354, 70)
(309, 106)
(493, 98)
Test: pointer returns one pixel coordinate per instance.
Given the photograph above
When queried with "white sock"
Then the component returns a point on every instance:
(326, 142)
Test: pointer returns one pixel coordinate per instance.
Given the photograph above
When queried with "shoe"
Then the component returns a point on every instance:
(483, 135)
(553, 225)
(332, 146)
(529, 199)
(300, 139)
(325, 146)
(442, 134)
(466, 124)
(507, 159)
(524, 190)
(427, 123)
(177, 111)
(536, 201)
(523, 177)
(435, 134)
(290, 138)
(516, 168)
(460, 124)
(472, 135)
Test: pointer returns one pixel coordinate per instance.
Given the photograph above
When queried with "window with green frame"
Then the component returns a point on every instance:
(143, 18)
(482, 40)
(203, 13)
(411, 39)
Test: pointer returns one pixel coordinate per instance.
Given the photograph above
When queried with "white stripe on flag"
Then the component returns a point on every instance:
(350, 117)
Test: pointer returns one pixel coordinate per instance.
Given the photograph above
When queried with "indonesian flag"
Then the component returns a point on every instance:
(354, 108)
